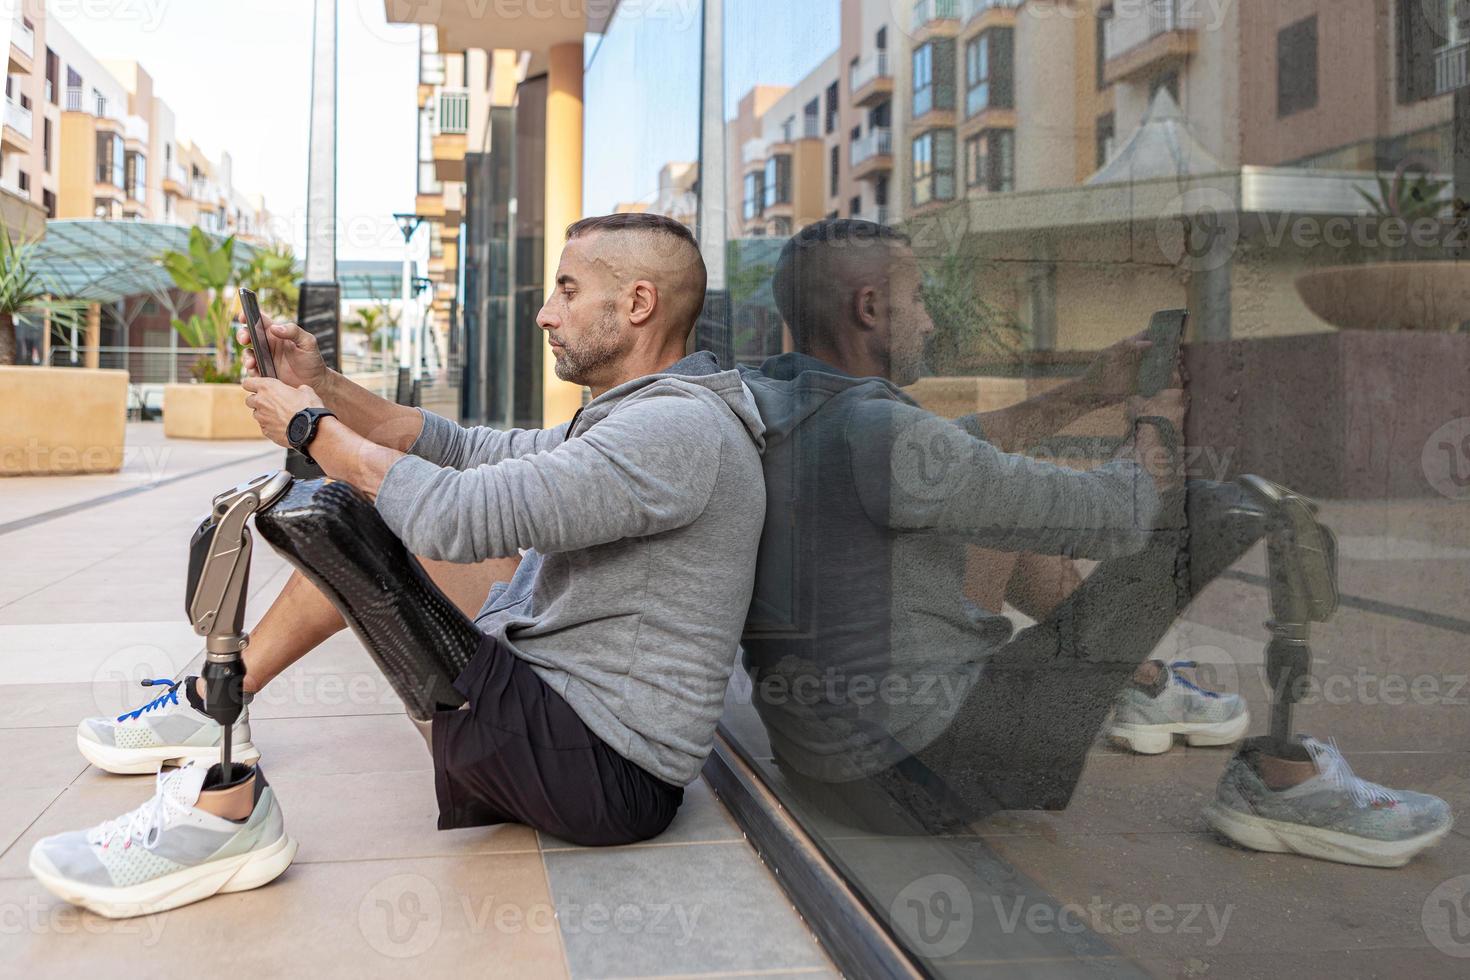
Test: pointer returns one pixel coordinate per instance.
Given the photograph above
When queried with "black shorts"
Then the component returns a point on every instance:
(518, 753)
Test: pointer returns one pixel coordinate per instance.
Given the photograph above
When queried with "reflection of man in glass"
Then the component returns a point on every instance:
(893, 701)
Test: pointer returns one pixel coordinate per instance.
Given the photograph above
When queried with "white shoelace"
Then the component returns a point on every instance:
(1335, 769)
(146, 823)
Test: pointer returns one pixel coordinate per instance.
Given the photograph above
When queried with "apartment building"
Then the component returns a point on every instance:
(88, 138)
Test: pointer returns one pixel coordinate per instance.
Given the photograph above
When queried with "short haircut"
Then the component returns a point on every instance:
(672, 248)
(813, 263)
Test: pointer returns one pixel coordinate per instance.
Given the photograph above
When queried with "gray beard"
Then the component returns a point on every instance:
(597, 350)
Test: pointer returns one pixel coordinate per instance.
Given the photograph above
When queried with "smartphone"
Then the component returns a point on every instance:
(1165, 331)
(259, 343)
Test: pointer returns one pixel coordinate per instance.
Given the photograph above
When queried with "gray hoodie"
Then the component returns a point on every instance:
(640, 521)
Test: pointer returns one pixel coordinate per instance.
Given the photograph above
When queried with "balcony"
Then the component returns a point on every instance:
(935, 18)
(205, 193)
(175, 180)
(872, 153)
(22, 46)
(754, 152)
(135, 131)
(1451, 67)
(981, 15)
(18, 123)
(1149, 36)
(871, 81)
(451, 123)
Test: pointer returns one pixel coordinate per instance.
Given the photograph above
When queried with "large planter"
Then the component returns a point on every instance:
(1389, 295)
(1343, 414)
(207, 411)
(62, 420)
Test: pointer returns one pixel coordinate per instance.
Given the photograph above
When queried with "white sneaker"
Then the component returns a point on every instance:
(1147, 724)
(167, 852)
(166, 731)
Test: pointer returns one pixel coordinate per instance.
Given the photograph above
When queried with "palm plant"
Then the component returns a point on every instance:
(375, 323)
(25, 292)
(209, 271)
(969, 333)
(272, 274)
(1409, 198)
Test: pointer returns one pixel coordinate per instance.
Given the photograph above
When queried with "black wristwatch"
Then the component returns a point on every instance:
(302, 429)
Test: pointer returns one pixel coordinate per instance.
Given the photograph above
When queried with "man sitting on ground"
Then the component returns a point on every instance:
(612, 643)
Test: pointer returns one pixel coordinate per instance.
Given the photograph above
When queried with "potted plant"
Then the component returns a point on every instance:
(213, 405)
(52, 420)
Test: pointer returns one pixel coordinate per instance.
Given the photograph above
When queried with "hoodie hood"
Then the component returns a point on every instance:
(790, 388)
(700, 370)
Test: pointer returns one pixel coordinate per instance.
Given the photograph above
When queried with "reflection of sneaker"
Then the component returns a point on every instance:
(1334, 815)
(167, 852)
(167, 730)
(1147, 723)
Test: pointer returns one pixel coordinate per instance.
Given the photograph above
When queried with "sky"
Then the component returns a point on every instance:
(238, 77)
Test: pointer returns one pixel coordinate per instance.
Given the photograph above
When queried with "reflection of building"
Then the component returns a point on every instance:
(677, 196)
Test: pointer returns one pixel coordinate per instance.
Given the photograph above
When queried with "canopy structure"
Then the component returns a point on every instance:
(1161, 146)
(105, 261)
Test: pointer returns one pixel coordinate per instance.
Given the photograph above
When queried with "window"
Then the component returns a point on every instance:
(990, 160)
(1296, 67)
(48, 201)
(137, 176)
(880, 116)
(835, 170)
(53, 71)
(810, 115)
(933, 77)
(988, 71)
(933, 166)
(778, 180)
(754, 204)
(23, 179)
(1106, 134)
(788, 129)
(110, 159)
(99, 103)
(855, 207)
(46, 143)
(1100, 44)
(856, 134)
(1424, 29)
(832, 108)
(880, 40)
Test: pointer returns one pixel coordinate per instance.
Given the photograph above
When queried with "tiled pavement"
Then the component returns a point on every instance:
(92, 601)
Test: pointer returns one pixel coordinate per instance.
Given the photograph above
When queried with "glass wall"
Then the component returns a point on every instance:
(1112, 601)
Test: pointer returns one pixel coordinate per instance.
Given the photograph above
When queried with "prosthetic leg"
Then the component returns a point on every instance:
(219, 579)
(1301, 556)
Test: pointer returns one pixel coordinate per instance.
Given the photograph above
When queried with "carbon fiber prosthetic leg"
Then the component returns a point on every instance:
(419, 639)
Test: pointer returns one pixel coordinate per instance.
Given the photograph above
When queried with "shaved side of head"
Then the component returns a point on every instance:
(822, 267)
(654, 248)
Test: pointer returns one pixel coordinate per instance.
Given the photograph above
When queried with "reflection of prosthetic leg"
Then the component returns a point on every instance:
(1302, 559)
(416, 635)
(219, 578)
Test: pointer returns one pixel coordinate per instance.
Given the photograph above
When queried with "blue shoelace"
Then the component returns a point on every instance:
(171, 696)
(1174, 669)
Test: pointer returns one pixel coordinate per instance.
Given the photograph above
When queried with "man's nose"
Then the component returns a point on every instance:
(544, 319)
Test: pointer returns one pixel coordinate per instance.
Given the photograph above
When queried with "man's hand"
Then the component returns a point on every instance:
(294, 353)
(1113, 374)
(273, 403)
(1148, 447)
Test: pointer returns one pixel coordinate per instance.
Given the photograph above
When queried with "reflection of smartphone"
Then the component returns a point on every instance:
(1165, 331)
(259, 343)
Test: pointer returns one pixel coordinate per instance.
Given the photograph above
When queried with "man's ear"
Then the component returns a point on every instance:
(645, 301)
(865, 307)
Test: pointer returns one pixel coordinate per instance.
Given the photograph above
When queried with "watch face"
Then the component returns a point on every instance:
(296, 431)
